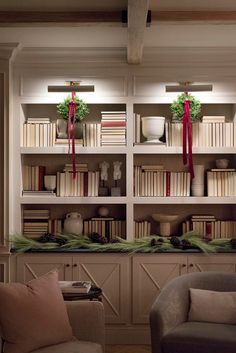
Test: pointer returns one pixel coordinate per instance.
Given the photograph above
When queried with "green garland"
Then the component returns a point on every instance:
(177, 107)
(150, 244)
(81, 109)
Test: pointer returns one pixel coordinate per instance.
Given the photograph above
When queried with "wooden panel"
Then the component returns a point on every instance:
(33, 266)
(113, 86)
(202, 263)
(150, 274)
(112, 274)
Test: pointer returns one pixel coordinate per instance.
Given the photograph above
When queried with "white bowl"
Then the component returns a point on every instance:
(153, 128)
(161, 217)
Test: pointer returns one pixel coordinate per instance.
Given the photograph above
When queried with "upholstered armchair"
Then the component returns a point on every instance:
(87, 321)
(171, 332)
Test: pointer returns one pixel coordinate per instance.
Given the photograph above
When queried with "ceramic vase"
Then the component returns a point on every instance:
(73, 223)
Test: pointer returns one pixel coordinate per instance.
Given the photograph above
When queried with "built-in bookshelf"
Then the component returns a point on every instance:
(144, 187)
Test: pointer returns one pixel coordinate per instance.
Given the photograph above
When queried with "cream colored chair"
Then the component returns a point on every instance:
(87, 321)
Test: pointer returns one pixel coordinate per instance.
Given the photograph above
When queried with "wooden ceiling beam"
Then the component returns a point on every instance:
(137, 20)
(194, 16)
(75, 17)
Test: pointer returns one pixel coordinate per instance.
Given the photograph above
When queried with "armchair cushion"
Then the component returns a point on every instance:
(72, 347)
(199, 337)
(33, 315)
(212, 306)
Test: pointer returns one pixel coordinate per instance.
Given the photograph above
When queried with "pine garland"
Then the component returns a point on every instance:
(150, 244)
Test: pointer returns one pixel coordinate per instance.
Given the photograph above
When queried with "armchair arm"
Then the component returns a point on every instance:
(87, 320)
(169, 310)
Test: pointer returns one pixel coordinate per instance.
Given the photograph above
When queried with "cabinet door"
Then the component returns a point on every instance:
(213, 262)
(33, 266)
(112, 274)
(150, 274)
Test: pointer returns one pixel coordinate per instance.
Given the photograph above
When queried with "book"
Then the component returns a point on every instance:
(75, 286)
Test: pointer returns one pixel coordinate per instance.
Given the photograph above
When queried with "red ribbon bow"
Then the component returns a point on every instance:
(187, 138)
(71, 129)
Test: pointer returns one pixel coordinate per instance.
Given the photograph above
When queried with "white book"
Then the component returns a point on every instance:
(62, 184)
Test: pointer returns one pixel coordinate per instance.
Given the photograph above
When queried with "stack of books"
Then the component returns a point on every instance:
(75, 286)
(92, 135)
(38, 132)
(107, 227)
(61, 142)
(142, 229)
(209, 227)
(221, 182)
(86, 183)
(55, 226)
(113, 128)
(33, 177)
(35, 223)
(155, 181)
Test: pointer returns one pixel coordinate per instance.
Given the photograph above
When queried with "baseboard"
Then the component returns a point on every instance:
(127, 335)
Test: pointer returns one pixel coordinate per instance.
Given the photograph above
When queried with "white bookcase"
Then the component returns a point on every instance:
(126, 206)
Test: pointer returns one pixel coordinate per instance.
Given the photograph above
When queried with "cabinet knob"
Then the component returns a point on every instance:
(75, 265)
(183, 265)
(191, 265)
(67, 265)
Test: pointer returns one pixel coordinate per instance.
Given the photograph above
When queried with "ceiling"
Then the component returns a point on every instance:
(159, 34)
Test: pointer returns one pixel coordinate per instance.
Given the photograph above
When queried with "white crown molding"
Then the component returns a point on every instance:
(31, 55)
(8, 50)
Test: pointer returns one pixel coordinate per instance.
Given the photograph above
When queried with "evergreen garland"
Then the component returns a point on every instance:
(150, 244)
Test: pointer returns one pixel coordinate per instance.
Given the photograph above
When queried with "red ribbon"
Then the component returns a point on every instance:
(187, 138)
(71, 129)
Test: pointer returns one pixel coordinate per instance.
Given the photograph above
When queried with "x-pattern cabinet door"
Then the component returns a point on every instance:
(33, 266)
(214, 262)
(111, 273)
(150, 274)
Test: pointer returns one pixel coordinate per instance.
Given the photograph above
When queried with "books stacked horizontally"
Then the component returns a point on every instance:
(38, 132)
(86, 182)
(205, 134)
(61, 142)
(153, 180)
(75, 286)
(92, 134)
(33, 177)
(142, 229)
(113, 128)
(209, 227)
(35, 223)
(221, 182)
(107, 227)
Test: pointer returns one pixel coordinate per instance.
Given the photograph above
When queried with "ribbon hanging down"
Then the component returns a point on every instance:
(187, 138)
(71, 131)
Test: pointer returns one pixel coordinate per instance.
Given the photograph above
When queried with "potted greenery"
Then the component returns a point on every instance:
(63, 109)
(177, 107)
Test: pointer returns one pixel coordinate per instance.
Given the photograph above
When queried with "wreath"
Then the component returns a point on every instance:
(81, 108)
(177, 107)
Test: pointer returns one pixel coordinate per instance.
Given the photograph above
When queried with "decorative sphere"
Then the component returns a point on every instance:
(103, 211)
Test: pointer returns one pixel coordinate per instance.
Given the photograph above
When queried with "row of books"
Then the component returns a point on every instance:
(160, 182)
(203, 134)
(92, 134)
(208, 227)
(33, 177)
(109, 227)
(38, 132)
(84, 184)
(221, 182)
(113, 128)
(142, 229)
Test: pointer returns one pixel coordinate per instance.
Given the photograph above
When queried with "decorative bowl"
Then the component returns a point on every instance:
(153, 128)
(161, 217)
(222, 163)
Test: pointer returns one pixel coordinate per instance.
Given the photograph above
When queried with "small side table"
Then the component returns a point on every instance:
(95, 293)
